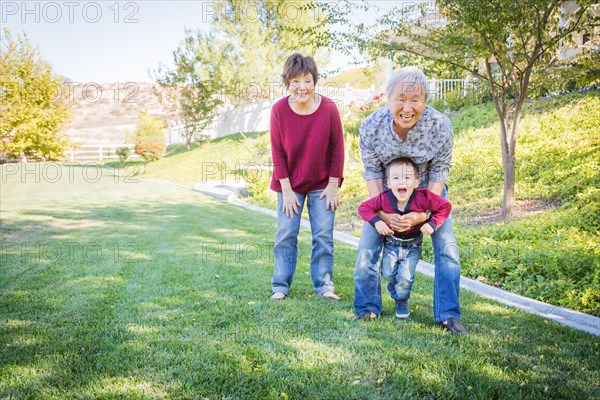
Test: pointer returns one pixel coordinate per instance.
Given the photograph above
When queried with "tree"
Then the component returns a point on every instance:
(261, 35)
(510, 38)
(239, 61)
(149, 137)
(191, 88)
(150, 127)
(33, 103)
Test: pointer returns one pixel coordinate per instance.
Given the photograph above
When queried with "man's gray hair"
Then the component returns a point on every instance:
(408, 75)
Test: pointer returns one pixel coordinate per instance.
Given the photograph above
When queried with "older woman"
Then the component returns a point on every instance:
(407, 127)
(307, 146)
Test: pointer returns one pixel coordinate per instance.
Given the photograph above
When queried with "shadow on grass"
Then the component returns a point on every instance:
(176, 305)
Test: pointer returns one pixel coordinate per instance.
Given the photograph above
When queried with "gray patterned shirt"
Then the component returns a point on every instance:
(429, 144)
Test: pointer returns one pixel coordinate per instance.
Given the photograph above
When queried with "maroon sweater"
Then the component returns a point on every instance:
(307, 149)
(420, 200)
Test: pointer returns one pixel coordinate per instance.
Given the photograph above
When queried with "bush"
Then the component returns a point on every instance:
(150, 128)
(123, 153)
(149, 150)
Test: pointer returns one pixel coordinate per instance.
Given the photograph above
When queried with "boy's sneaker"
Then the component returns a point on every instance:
(402, 309)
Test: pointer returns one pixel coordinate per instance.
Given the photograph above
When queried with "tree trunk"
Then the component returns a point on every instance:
(508, 199)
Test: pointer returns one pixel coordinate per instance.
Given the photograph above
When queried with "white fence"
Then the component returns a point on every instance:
(255, 116)
(98, 152)
(439, 88)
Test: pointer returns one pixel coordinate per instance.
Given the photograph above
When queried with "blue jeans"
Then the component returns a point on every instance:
(398, 265)
(446, 283)
(286, 244)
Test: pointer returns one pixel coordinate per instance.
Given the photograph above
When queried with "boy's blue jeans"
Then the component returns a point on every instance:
(446, 284)
(398, 264)
(286, 244)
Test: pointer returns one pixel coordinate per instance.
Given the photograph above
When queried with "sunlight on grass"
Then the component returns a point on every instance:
(127, 387)
(312, 354)
(15, 324)
(141, 329)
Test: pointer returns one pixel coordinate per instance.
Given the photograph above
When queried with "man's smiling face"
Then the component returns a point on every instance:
(407, 103)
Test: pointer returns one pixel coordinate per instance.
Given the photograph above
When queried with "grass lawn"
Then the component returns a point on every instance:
(142, 290)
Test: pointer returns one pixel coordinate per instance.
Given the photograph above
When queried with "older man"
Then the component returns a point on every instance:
(407, 127)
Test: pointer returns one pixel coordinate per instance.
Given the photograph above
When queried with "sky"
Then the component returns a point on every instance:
(114, 41)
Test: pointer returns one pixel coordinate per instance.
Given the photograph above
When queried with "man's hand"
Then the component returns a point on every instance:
(401, 223)
(427, 229)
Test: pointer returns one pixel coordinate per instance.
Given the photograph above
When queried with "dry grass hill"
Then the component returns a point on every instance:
(108, 113)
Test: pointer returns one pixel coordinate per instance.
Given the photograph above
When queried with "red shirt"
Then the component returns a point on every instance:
(307, 149)
(420, 200)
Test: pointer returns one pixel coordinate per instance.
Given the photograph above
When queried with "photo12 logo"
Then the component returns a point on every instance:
(252, 11)
(69, 11)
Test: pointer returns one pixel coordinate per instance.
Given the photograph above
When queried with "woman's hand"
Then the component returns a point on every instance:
(331, 193)
(290, 203)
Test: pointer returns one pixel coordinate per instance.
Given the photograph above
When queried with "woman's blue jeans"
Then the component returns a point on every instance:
(446, 284)
(286, 244)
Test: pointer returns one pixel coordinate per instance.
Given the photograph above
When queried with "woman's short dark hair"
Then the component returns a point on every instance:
(297, 65)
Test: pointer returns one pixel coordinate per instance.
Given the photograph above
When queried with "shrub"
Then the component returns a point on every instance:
(149, 149)
(123, 153)
(150, 128)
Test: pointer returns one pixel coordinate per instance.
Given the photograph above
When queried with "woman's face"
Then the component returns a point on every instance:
(407, 103)
(302, 88)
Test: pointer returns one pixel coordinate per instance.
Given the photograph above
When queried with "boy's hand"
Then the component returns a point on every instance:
(401, 223)
(427, 229)
(383, 229)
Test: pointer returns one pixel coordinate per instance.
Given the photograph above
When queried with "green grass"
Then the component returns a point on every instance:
(552, 256)
(142, 290)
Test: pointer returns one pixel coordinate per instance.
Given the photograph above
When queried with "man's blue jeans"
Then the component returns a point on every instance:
(286, 244)
(398, 265)
(446, 284)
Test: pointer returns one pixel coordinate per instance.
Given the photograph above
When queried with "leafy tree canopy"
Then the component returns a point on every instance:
(34, 103)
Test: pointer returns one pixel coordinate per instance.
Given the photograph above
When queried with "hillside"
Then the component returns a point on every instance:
(108, 113)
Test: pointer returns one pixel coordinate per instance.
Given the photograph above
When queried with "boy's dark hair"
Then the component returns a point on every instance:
(399, 161)
(297, 65)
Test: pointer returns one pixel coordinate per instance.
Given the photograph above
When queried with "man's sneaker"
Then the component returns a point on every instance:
(454, 326)
(402, 309)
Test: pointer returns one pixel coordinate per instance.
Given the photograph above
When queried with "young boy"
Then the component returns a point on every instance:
(402, 250)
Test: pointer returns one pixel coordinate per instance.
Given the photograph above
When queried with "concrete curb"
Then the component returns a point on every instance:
(575, 319)
(565, 316)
